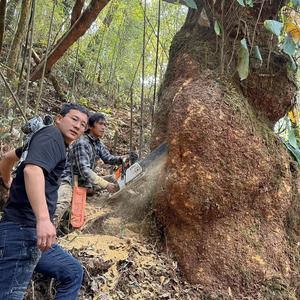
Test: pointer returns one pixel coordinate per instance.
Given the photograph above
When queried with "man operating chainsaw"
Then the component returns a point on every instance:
(81, 163)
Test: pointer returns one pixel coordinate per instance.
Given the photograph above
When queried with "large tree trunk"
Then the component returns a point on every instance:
(78, 29)
(229, 203)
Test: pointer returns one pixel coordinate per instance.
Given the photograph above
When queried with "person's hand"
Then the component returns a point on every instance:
(112, 188)
(46, 234)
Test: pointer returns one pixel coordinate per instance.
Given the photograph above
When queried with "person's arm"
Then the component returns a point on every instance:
(35, 189)
(105, 155)
(7, 163)
(83, 163)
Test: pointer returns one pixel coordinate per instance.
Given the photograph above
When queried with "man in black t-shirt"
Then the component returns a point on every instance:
(27, 234)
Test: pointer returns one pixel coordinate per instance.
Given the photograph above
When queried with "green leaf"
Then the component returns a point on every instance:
(292, 63)
(241, 2)
(243, 60)
(257, 54)
(289, 46)
(294, 151)
(274, 26)
(292, 144)
(191, 4)
(292, 138)
(217, 27)
(249, 2)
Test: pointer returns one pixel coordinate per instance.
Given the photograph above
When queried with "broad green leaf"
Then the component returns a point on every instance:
(257, 54)
(274, 26)
(241, 2)
(249, 2)
(176, 1)
(292, 138)
(292, 63)
(191, 4)
(217, 28)
(243, 60)
(294, 151)
(289, 46)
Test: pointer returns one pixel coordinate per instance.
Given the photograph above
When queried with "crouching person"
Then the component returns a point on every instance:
(27, 234)
(81, 163)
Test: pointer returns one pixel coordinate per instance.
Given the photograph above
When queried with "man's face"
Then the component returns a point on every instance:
(72, 125)
(98, 129)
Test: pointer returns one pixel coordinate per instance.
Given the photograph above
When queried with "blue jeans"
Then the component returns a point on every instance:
(19, 256)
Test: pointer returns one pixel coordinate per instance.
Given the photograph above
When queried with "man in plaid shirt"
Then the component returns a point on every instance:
(81, 161)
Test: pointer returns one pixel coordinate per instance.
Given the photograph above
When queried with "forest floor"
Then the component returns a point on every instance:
(122, 250)
(121, 247)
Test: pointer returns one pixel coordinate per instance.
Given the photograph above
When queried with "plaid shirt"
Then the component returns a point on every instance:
(82, 157)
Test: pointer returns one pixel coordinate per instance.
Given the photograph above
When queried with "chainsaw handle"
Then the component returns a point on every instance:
(75, 180)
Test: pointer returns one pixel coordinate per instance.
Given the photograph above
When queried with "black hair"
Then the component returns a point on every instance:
(69, 106)
(96, 117)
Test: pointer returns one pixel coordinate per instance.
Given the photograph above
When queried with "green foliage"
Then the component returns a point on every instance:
(289, 46)
(245, 2)
(257, 53)
(292, 145)
(217, 28)
(109, 57)
(191, 4)
(107, 111)
(274, 26)
(83, 101)
(243, 60)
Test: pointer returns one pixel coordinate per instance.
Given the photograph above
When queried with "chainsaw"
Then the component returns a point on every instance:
(127, 170)
(132, 169)
(127, 173)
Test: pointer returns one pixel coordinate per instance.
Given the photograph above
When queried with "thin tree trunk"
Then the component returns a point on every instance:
(37, 105)
(17, 42)
(76, 31)
(74, 73)
(13, 95)
(10, 13)
(60, 92)
(156, 62)
(31, 24)
(2, 21)
(142, 89)
(131, 120)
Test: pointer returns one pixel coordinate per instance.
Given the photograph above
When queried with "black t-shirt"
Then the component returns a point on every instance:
(47, 150)
(19, 152)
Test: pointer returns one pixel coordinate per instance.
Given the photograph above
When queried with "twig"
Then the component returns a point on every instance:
(13, 95)
(254, 31)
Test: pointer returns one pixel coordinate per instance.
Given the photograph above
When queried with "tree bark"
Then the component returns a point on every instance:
(76, 31)
(76, 11)
(61, 93)
(229, 199)
(11, 8)
(17, 41)
(2, 21)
